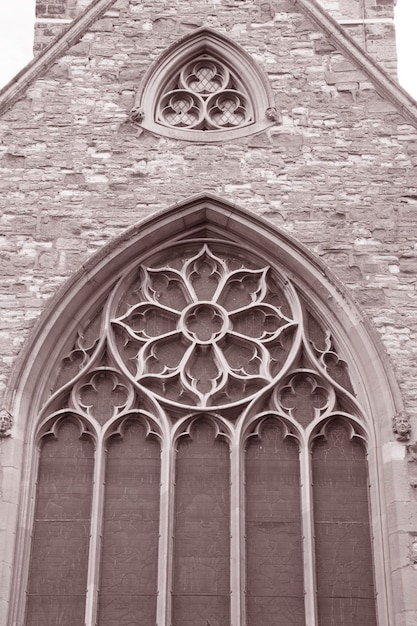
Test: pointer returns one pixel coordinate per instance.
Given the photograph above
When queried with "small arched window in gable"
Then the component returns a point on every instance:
(204, 88)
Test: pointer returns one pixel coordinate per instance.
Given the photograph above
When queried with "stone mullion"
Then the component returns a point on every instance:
(96, 534)
(237, 537)
(18, 600)
(166, 531)
(310, 586)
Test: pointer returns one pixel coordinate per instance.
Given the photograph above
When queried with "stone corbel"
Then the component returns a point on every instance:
(137, 114)
(6, 423)
(401, 427)
(272, 114)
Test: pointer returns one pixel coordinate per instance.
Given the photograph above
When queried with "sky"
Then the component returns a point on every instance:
(16, 39)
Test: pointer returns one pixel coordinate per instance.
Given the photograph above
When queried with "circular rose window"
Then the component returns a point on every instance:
(206, 328)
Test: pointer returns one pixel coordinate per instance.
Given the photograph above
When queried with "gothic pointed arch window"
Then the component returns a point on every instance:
(205, 88)
(201, 443)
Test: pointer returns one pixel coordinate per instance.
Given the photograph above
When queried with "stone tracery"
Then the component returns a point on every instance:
(205, 95)
(224, 350)
(215, 318)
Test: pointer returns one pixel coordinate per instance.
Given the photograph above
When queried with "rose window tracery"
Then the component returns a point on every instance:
(204, 415)
(206, 327)
(205, 95)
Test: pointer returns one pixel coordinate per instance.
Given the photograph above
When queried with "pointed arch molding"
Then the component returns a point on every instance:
(238, 100)
(206, 216)
(224, 227)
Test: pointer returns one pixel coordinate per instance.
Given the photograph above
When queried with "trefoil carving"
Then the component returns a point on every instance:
(205, 95)
(205, 87)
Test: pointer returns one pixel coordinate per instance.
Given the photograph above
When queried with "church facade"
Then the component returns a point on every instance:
(208, 330)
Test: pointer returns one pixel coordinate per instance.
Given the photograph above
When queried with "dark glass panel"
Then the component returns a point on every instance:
(59, 559)
(83, 348)
(205, 277)
(275, 593)
(202, 530)
(345, 582)
(168, 290)
(303, 398)
(102, 395)
(204, 369)
(128, 586)
(240, 290)
(259, 322)
(63, 610)
(323, 345)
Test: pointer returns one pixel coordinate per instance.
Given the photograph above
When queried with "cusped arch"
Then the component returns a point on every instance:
(205, 87)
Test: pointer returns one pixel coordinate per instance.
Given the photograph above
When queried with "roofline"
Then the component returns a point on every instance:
(385, 85)
(16, 87)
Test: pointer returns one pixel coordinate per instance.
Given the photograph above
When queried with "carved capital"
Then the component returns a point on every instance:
(6, 423)
(401, 427)
(137, 114)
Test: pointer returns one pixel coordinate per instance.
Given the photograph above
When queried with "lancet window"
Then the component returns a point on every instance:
(202, 456)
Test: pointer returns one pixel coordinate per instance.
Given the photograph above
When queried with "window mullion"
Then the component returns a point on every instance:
(237, 552)
(165, 551)
(308, 536)
(94, 558)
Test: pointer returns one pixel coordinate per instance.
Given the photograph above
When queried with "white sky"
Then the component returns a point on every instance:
(16, 39)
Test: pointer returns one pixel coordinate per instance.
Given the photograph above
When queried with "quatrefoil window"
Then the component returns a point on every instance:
(205, 88)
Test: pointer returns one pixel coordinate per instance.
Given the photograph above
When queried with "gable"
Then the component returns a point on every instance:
(335, 34)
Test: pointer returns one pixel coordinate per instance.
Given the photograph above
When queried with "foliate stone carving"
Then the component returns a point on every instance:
(6, 423)
(401, 427)
(205, 95)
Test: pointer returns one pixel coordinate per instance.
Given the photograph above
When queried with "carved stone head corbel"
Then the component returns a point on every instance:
(401, 427)
(6, 423)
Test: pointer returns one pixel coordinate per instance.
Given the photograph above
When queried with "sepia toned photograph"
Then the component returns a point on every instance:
(208, 313)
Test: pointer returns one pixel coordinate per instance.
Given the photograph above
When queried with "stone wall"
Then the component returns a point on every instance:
(338, 174)
(371, 24)
(60, 8)
(52, 17)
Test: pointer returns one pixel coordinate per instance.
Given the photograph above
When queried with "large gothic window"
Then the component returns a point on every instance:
(204, 88)
(202, 455)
